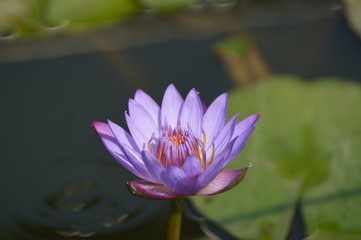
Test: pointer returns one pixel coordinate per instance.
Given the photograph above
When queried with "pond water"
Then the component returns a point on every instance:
(58, 181)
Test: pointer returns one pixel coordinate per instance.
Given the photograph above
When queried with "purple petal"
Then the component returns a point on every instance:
(171, 105)
(171, 176)
(192, 165)
(223, 138)
(238, 145)
(225, 180)
(154, 167)
(122, 136)
(142, 119)
(149, 104)
(149, 190)
(135, 159)
(192, 113)
(109, 141)
(188, 185)
(137, 134)
(245, 124)
(215, 118)
(216, 166)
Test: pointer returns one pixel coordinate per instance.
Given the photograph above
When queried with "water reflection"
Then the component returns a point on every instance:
(98, 208)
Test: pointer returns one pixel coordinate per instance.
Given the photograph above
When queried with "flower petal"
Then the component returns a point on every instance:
(111, 144)
(189, 185)
(245, 124)
(149, 104)
(135, 159)
(137, 134)
(171, 176)
(192, 113)
(192, 165)
(149, 190)
(171, 105)
(122, 136)
(216, 165)
(215, 118)
(225, 180)
(142, 119)
(223, 138)
(154, 167)
(238, 145)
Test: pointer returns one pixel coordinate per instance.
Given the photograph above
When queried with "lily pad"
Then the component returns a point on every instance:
(166, 6)
(86, 13)
(305, 151)
(353, 9)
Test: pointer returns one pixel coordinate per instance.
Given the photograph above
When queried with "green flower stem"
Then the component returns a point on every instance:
(175, 218)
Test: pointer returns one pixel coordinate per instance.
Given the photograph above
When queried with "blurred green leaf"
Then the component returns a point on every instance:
(87, 13)
(305, 148)
(353, 14)
(168, 6)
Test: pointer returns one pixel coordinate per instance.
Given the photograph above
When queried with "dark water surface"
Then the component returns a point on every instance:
(58, 181)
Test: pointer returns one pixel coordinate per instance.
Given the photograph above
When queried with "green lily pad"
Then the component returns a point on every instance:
(87, 13)
(353, 9)
(167, 6)
(304, 149)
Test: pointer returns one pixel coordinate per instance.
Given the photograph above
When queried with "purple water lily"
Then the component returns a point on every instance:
(180, 148)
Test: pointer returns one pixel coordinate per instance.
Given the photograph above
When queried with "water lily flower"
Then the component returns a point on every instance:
(180, 148)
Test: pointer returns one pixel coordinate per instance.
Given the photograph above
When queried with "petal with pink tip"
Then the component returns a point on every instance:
(149, 104)
(225, 180)
(171, 105)
(149, 190)
(192, 113)
(111, 144)
(122, 136)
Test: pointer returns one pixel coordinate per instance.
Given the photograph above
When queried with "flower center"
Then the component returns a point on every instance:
(174, 146)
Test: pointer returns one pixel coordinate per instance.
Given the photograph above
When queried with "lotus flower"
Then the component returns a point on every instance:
(180, 148)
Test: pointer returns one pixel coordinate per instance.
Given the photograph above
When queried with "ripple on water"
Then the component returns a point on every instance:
(79, 210)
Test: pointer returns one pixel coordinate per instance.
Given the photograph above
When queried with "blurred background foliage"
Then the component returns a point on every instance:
(38, 17)
(79, 60)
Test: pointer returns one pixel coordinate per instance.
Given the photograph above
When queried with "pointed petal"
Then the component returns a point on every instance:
(188, 185)
(192, 165)
(245, 124)
(225, 180)
(223, 138)
(137, 134)
(192, 113)
(135, 159)
(171, 105)
(149, 104)
(149, 190)
(142, 119)
(154, 167)
(216, 166)
(111, 144)
(171, 176)
(238, 145)
(215, 118)
(122, 136)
